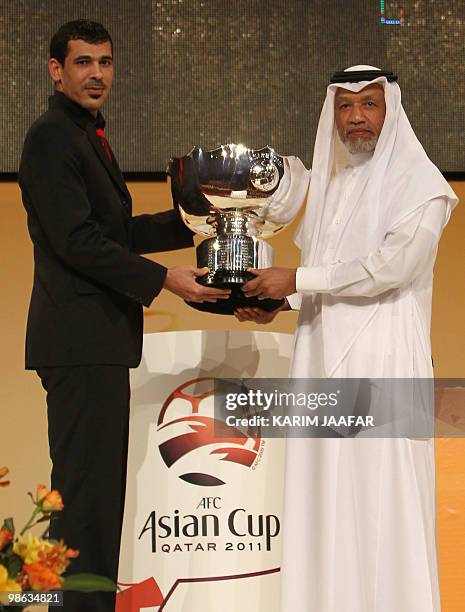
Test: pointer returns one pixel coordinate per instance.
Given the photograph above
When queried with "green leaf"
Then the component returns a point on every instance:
(88, 583)
(6, 552)
(8, 524)
(13, 565)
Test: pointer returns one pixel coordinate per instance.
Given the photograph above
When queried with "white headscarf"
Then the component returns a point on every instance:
(396, 182)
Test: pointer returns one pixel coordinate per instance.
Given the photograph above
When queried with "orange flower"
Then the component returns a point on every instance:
(49, 501)
(52, 502)
(3, 472)
(47, 552)
(53, 559)
(41, 577)
(58, 557)
(31, 549)
(41, 492)
(5, 537)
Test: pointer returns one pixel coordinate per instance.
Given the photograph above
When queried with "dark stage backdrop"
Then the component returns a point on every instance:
(206, 72)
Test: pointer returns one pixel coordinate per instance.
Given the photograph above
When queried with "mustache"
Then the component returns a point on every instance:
(359, 128)
(94, 85)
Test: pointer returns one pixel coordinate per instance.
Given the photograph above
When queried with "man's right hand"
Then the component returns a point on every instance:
(180, 280)
(258, 315)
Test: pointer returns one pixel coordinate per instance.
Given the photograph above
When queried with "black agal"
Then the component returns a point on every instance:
(354, 76)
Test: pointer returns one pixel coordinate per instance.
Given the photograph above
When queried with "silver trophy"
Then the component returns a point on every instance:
(236, 197)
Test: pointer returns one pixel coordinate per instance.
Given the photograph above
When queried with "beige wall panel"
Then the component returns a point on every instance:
(448, 325)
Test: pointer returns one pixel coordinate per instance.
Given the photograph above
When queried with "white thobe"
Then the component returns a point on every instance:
(359, 529)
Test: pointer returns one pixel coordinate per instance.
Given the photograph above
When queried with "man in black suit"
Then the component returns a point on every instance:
(84, 327)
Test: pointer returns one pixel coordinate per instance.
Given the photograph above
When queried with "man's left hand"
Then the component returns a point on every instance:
(272, 283)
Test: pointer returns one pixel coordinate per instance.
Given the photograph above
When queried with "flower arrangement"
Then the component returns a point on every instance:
(35, 564)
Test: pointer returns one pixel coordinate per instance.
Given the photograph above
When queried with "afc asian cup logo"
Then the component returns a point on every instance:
(200, 449)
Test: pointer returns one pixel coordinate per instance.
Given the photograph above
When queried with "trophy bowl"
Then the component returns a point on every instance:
(236, 198)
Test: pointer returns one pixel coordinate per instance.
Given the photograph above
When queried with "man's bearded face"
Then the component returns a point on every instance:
(360, 117)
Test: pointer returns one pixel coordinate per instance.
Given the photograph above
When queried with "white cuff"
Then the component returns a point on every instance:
(294, 301)
(311, 280)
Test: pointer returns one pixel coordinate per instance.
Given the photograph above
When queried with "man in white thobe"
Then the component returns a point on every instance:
(359, 528)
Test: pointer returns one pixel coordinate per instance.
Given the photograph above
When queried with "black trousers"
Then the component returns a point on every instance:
(88, 424)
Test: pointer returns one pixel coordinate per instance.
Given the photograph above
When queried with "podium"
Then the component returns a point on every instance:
(202, 522)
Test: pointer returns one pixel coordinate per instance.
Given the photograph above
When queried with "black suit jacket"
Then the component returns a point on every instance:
(90, 281)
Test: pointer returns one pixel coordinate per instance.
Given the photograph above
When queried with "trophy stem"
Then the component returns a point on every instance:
(228, 256)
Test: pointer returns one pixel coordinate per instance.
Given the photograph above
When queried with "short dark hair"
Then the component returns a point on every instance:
(81, 29)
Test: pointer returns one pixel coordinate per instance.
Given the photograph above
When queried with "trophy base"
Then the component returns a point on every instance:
(237, 299)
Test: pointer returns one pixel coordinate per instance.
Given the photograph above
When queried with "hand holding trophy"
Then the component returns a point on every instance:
(236, 197)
